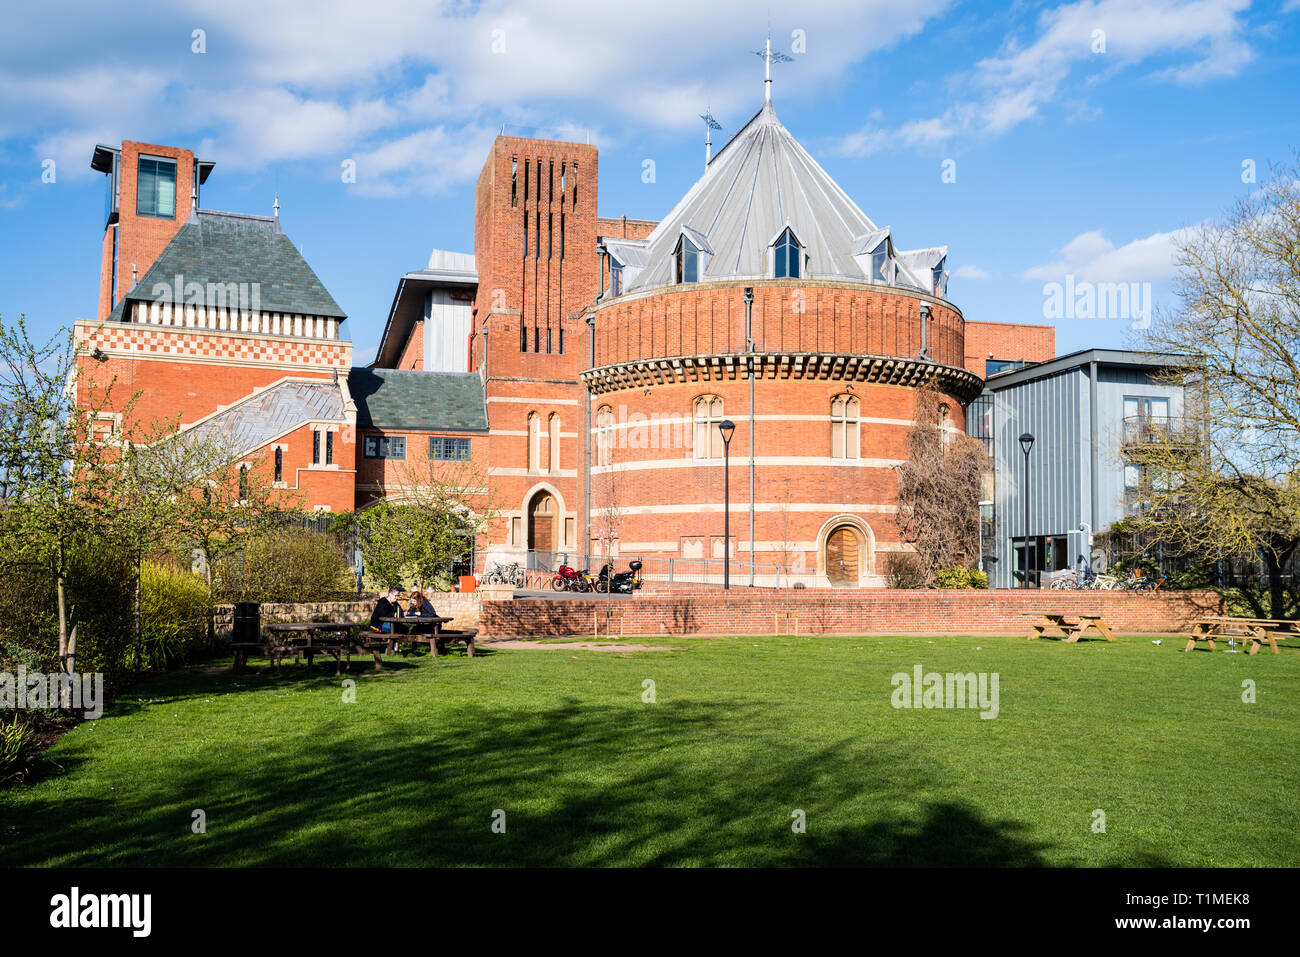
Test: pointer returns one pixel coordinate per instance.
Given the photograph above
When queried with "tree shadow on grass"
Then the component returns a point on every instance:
(579, 785)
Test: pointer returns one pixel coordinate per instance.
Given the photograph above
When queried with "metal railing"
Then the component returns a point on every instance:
(1161, 428)
(541, 567)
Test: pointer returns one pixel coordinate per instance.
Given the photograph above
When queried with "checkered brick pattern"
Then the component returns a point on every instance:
(149, 341)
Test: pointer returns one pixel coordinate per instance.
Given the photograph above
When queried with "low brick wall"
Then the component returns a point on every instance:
(878, 611)
(461, 606)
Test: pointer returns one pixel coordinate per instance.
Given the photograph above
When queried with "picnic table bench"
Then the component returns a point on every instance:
(1252, 631)
(427, 631)
(1072, 631)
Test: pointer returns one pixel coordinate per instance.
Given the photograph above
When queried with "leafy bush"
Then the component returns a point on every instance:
(99, 588)
(173, 613)
(285, 565)
(903, 570)
(960, 577)
(17, 749)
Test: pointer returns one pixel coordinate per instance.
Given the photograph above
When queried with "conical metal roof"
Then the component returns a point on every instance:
(759, 183)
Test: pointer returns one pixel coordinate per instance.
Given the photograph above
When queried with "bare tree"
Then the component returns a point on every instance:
(938, 488)
(1224, 480)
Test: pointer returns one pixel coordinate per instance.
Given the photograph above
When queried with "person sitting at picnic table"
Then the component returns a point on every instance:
(388, 607)
(420, 607)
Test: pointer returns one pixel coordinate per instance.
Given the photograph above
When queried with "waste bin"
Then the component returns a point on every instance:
(247, 625)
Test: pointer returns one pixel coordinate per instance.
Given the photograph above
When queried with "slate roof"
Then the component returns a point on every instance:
(217, 247)
(255, 421)
(414, 399)
(761, 181)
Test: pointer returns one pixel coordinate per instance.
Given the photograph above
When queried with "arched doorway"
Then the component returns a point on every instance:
(843, 556)
(543, 520)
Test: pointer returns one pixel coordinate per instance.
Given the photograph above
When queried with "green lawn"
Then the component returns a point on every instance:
(744, 731)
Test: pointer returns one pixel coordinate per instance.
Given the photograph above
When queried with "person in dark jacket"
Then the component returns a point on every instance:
(420, 606)
(388, 607)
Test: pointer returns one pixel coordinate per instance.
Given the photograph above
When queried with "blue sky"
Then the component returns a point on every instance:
(1076, 153)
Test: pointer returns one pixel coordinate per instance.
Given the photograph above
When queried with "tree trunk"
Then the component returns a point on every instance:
(139, 631)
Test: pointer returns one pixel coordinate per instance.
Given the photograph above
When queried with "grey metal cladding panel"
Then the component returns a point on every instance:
(1054, 411)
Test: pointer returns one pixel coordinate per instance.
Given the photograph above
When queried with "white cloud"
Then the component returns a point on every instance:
(969, 271)
(1092, 257)
(1017, 83)
(313, 80)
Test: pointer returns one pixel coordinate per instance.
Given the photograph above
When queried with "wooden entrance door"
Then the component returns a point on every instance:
(541, 523)
(842, 549)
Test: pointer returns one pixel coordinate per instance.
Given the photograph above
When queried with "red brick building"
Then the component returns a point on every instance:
(609, 350)
(216, 318)
(582, 362)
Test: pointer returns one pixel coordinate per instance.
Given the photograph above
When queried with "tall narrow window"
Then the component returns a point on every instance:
(537, 250)
(243, 483)
(315, 447)
(548, 340)
(561, 334)
(279, 464)
(561, 235)
(787, 256)
(329, 448)
(707, 415)
(523, 336)
(156, 188)
(534, 441)
(550, 223)
(688, 261)
(537, 339)
(554, 442)
(514, 181)
(605, 436)
(526, 164)
(550, 181)
(525, 234)
(845, 434)
(575, 184)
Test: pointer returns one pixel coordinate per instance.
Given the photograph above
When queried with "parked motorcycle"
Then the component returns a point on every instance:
(622, 583)
(569, 579)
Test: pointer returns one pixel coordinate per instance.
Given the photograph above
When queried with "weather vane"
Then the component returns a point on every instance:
(768, 59)
(710, 124)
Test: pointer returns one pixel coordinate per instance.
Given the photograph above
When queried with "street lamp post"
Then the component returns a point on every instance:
(1026, 443)
(726, 427)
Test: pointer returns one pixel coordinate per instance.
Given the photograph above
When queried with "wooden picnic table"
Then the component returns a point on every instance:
(1252, 631)
(310, 638)
(1072, 631)
(435, 637)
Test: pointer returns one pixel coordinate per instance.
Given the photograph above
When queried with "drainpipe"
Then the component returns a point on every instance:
(602, 252)
(925, 328)
(1092, 451)
(749, 347)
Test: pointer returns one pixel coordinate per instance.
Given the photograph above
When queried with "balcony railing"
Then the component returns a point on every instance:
(1174, 430)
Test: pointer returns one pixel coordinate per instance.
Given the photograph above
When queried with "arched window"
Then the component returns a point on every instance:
(688, 261)
(708, 440)
(534, 442)
(243, 483)
(845, 443)
(605, 436)
(787, 256)
(553, 435)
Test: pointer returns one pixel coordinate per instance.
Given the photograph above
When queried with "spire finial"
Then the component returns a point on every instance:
(768, 59)
(710, 124)
(275, 207)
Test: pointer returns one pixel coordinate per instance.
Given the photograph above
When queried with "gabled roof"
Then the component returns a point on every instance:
(417, 400)
(222, 248)
(759, 182)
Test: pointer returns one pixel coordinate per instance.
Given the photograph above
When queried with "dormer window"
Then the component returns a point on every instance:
(880, 263)
(939, 277)
(688, 261)
(787, 256)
